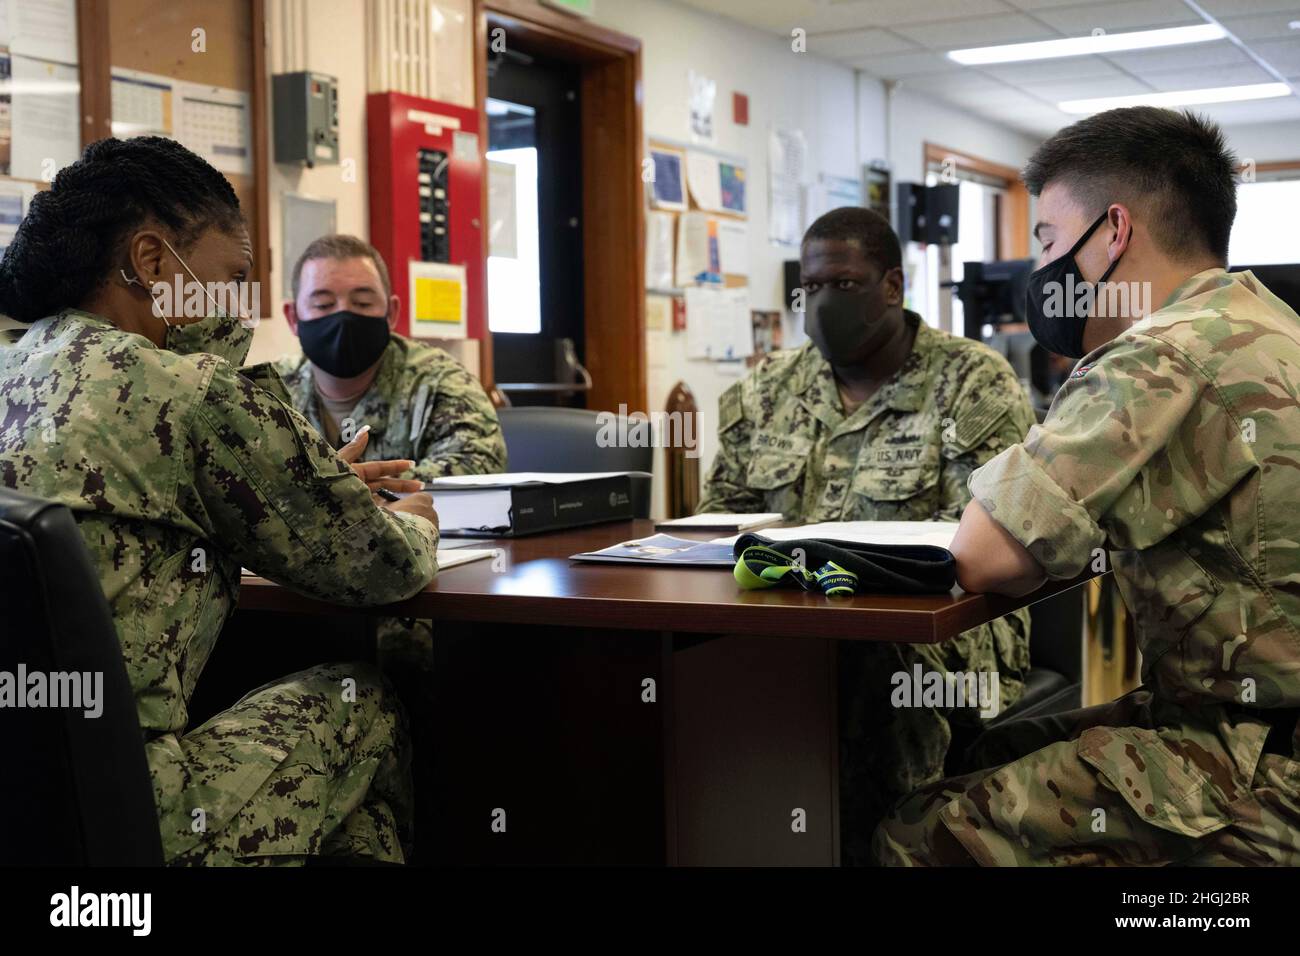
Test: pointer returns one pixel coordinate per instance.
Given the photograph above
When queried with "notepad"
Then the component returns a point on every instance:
(937, 533)
(722, 521)
(663, 550)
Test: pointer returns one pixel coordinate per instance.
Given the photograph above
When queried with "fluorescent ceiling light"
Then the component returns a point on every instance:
(1217, 94)
(1079, 46)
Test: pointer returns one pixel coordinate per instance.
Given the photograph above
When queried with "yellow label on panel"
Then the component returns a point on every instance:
(438, 300)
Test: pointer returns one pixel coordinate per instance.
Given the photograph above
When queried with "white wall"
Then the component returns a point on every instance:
(787, 89)
(331, 40)
(1265, 142)
(841, 113)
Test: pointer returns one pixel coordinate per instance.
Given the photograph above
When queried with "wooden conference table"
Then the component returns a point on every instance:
(629, 714)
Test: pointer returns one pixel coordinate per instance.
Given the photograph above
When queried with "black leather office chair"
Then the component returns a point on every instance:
(1054, 683)
(565, 439)
(76, 789)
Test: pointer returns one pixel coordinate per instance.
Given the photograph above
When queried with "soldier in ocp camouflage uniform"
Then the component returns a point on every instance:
(942, 407)
(1173, 445)
(179, 469)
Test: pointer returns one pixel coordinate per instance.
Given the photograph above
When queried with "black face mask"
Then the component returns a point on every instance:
(344, 344)
(840, 324)
(1055, 289)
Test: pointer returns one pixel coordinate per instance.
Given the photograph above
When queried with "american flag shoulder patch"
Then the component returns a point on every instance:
(1081, 371)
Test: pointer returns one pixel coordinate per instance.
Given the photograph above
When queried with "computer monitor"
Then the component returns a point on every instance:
(993, 293)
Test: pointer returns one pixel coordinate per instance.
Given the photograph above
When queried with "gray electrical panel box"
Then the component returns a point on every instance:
(305, 107)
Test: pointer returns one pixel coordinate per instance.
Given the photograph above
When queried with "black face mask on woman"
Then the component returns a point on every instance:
(344, 344)
(844, 325)
(1052, 295)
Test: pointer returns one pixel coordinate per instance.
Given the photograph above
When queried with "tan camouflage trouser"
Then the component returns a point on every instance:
(886, 751)
(1136, 782)
(313, 765)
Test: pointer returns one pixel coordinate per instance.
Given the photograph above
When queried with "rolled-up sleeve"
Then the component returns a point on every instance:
(1120, 461)
(1058, 531)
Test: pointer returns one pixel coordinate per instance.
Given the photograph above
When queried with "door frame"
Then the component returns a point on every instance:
(613, 204)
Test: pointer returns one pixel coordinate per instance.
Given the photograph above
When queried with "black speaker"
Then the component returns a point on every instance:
(927, 213)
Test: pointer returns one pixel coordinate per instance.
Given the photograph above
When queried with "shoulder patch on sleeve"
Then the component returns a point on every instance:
(731, 409)
(974, 423)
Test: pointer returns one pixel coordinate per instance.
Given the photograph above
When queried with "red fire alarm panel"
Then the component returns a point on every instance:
(426, 180)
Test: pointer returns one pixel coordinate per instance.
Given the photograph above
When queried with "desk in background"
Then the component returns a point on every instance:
(542, 673)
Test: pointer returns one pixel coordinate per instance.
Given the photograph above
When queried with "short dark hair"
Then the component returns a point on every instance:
(868, 228)
(70, 241)
(1175, 167)
(341, 246)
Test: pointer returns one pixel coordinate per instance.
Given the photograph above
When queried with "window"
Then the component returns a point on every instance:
(1264, 230)
(513, 266)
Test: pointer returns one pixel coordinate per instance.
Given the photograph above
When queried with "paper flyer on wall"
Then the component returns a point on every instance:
(659, 250)
(787, 171)
(44, 117)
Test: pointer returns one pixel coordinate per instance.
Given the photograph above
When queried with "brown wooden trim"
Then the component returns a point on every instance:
(935, 153)
(572, 31)
(1276, 166)
(1013, 228)
(94, 70)
(486, 372)
(260, 121)
(613, 201)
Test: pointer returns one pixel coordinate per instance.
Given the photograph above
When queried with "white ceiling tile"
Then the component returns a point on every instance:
(1245, 8)
(1281, 55)
(977, 31)
(892, 13)
(1193, 56)
(1239, 75)
(905, 64)
(1269, 26)
(853, 44)
(1045, 71)
(1086, 89)
(1035, 5)
(1284, 110)
(1119, 17)
(824, 16)
(968, 80)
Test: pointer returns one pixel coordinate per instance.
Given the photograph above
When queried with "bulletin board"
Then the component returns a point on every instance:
(39, 128)
(158, 37)
(697, 249)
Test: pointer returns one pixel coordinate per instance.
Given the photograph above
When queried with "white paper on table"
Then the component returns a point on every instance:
(733, 247)
(45, 118)
(510, 478)
(659, 250)
(705, 180)
(936, 533)
(450, 557)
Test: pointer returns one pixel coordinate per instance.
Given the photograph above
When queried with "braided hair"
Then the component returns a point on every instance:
(69, 241)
